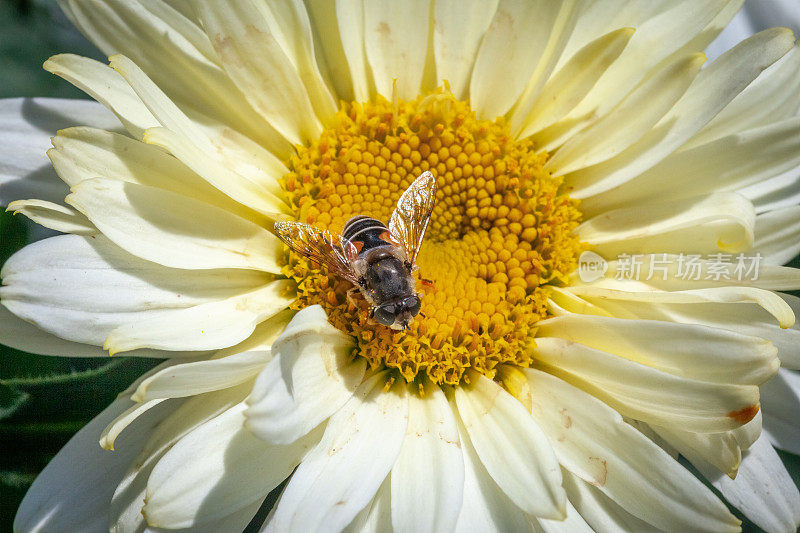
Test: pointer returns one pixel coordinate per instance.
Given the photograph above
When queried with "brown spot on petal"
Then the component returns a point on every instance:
(743, 416)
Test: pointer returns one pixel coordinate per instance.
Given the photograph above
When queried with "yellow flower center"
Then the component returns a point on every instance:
(500, 232)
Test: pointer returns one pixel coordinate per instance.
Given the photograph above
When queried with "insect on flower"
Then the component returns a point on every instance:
(377, 259)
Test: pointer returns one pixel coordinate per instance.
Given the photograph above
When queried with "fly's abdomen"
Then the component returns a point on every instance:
(366, 233)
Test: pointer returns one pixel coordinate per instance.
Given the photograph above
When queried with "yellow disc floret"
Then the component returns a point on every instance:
(500, 232)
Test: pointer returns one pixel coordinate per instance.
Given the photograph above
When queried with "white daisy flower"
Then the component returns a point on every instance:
(523, 397)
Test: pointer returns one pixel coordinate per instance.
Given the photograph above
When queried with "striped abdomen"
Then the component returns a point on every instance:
(366, 233)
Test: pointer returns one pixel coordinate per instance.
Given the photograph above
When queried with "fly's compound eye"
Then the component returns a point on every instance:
(385, 315)
(412, 304)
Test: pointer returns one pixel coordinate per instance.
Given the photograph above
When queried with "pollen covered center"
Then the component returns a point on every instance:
(500, 232)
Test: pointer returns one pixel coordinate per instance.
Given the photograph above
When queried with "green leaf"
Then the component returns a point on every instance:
(10, 400)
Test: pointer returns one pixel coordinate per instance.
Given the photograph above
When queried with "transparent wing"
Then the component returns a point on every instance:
(413, 211)
(328, 249)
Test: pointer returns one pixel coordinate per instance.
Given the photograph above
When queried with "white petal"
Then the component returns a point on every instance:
(593, 442)
(688, 350)
(311, 376)
(777, 235)
(629, 120)
(575, 79)
(174, 230)
(252, 53)
(107, 87)
(341, 475)
(599, 510)
(647, 394)
(512, 447)
(720, 449)
(229, 147)
(376, 517)
(126, 505)
(74, 491)
(485, 508)
(457, 33)
(177, 55)
(724, 78)
(260, 197)
(396, 41)
(79, 154)
(350, 22)
(428, 476)
(519, 33)
(54, 216)
(26, 125)
(772, 97)
(762, 490)
(81, 288)
(329, 49)
(206, 326)
(22, 335)
(189, 379)
(738, 160)
(781, 407)
(706, 224)
(216, 469)
(110, 433)
(767, 300)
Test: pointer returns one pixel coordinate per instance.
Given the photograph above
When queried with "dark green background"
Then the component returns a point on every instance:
(44, 400)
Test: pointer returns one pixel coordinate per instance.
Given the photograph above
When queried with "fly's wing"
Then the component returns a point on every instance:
(331, 250)
(413, 211)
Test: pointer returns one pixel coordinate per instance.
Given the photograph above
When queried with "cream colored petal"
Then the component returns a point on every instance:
(177, 55)
(629, 120)
(81, 288)
(328, 44)
(647, 394)
(116, 426)
(428, 477)
(724, 79)
(573, 82)
(458, 29)
(512, 447)
(311, 376)
(687, 350)
(174, 230)
(593, 442)
(226, 145)
(738, 160)
(485, 507)
(107, 87)
(601, 512)
(509, 54)
(342, 474)
(252, 54)
(82, 153)
(763, 490)
(396, 40)
(705, 224)
(350, 21)
(777, 235)
(125, 507)
(206, 326)
(59, 499)
(769, 301)
(720, 449)
(260, 197)
(658, 37)
(772, 97)
(377, 515)
(26, 126)
(189, 379)
(574, 522)
(54, 216)
(217, 468)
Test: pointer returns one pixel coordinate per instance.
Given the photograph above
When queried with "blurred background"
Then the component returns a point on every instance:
(45, 400)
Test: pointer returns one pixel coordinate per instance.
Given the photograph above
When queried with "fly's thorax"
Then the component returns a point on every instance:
(386, 276)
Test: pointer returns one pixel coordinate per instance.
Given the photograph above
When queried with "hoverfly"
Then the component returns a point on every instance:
(377, 259)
